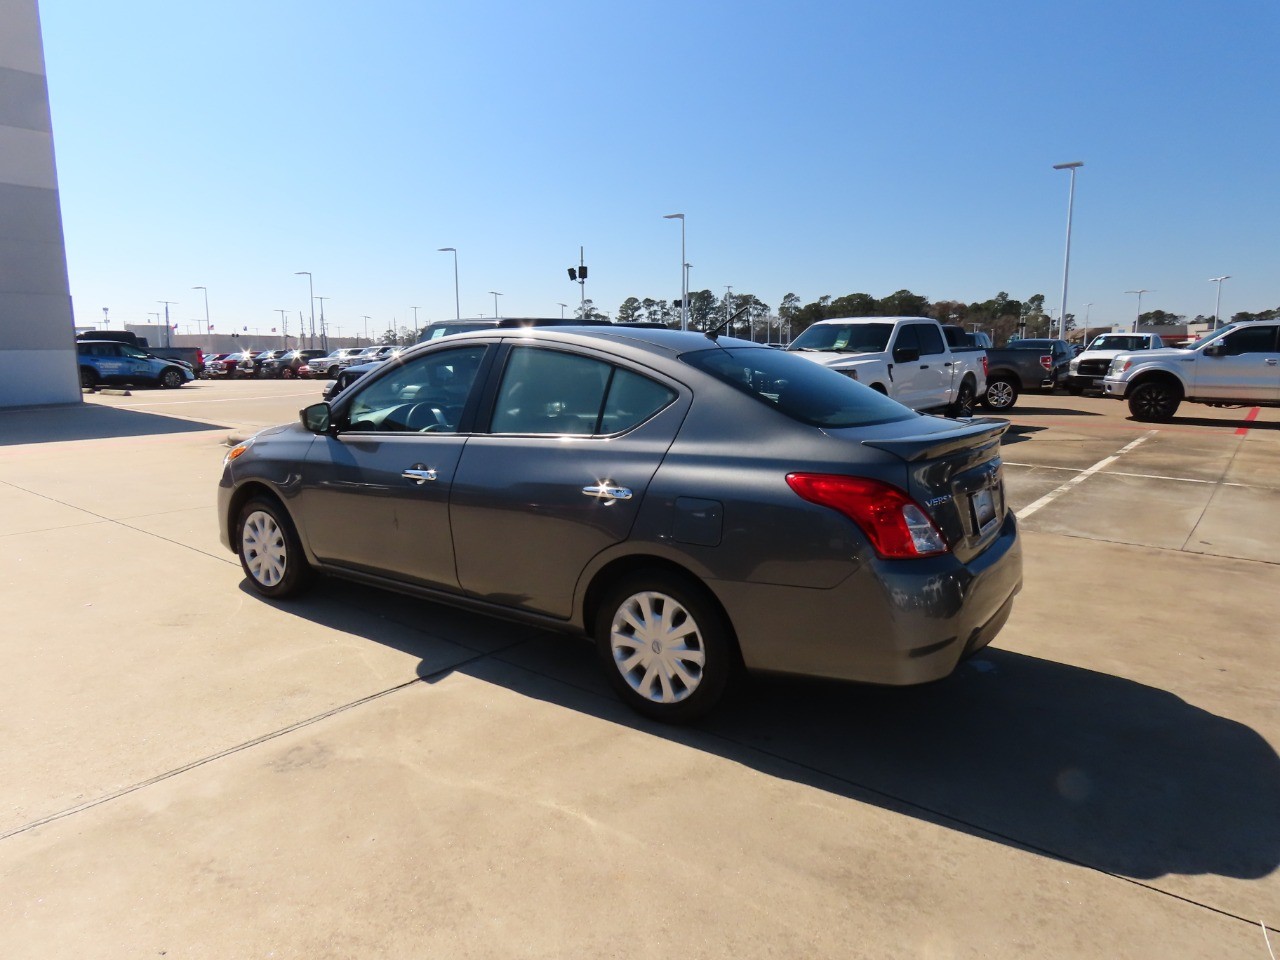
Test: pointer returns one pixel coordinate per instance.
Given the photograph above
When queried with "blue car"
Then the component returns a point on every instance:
(109, 361)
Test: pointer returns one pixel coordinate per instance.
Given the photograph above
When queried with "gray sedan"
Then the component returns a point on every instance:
(695, 505)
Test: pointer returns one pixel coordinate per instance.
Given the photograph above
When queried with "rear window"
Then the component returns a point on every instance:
(801, 389)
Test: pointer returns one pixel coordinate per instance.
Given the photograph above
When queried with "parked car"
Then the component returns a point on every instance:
(694, 505)
(1237, 365)
(331, 363)
(1087, 370)
(906, 358)
(113, 361)
(346, 377)
(1023, 366)
(289, 364)
(254, 364)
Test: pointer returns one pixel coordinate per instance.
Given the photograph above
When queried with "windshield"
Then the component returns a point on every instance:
(804, 391)
(844, 338)
(1113, 342)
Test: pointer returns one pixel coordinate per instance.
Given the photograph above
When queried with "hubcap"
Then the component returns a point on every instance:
(262, 545)
(1155, 401)
(1000, 394)
(657, 647)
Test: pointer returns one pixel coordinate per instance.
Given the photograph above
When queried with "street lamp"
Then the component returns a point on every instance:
(312, 291)
(1138, 315)
(457, 310)
(562, 309)
(366, 328)
(496, 295)
(1066, 260)
(684, 277)
(284, 327)
(106, 324)
(1217, 303)
(324, 334)
(206, 308)
(415, 319)
(167, 303)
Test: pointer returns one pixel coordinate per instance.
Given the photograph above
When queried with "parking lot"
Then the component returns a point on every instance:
(191, 771)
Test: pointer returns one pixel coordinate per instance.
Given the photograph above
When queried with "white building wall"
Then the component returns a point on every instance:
(37, 347)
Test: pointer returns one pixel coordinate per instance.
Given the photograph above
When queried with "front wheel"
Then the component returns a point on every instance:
(88, 378)
(269, 548)
(667, 647)
(1002, 394)
(171, 379)
(1154, 400)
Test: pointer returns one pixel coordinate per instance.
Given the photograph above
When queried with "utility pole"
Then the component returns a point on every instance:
(324, 334)
(284, 327)
(579, 275)
(167, 303)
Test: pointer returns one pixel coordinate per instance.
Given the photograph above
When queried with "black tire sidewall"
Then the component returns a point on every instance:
(722, 661)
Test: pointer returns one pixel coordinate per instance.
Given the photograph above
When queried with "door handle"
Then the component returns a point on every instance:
(419, 474)
(607, 491)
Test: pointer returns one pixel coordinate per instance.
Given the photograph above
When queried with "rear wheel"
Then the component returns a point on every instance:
(1155, 400)
(667, 647)
(1002, 394)
(269, 548)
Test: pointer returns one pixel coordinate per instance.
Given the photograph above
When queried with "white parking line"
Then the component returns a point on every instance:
(1121, 473)
(1084, 475)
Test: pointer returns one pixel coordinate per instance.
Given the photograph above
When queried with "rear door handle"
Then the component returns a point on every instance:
(606, 491)
(419, 474)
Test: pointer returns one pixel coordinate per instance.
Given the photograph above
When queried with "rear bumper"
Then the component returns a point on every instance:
(896, 623)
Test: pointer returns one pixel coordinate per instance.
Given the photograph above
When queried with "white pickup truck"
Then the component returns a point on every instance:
(1087, 370)
(906, 358)
(1238, 365)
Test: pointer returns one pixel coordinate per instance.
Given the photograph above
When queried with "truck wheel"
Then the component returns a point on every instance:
(88, 378)
(171, 378)
(1155, 400)
(962, 408)
(1002, 394)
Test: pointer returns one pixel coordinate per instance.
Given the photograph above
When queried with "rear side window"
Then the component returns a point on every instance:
(799, 388)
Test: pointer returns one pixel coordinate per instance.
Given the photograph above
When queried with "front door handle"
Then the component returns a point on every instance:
(607, 491)
(419, 474)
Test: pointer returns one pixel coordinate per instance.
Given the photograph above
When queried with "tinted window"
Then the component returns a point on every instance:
(1251, 340)
(930, 339)
(425, 395)
(549, 392)
(844, 337)
(801, 389)
(632, 399)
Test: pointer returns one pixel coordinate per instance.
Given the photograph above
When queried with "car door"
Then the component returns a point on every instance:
(905, 375)
(1248, 368)
(934, 373)
(573, 440)
(374, 497)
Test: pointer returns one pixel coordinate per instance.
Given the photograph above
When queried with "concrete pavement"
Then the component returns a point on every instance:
(191, 771)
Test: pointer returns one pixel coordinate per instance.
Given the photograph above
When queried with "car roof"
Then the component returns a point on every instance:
(659, 340)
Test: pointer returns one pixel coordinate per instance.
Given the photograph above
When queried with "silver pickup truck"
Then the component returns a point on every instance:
(1238, 365)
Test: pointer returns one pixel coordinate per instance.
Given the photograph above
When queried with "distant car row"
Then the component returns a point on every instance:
(286, 364)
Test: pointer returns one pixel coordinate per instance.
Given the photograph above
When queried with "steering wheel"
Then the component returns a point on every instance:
(424, 418)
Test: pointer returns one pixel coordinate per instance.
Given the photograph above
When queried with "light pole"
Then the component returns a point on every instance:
(206, 308)
(415, 320)
(562, 309)
(167, 304)
(1066, 260)
(684, 277)
(312, 291)
(106, 324)
(496, 295)
(728, 312)
(324, 334)
(1217, 303)
(366, 328)
(457, 310)
(284, 327)
(1084, 338)
(1138, 316)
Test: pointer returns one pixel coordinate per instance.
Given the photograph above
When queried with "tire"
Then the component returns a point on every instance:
(286, 373)
(1154, 401)
(1002, 394)
(171, 378)
(88, 378)
(269, 550)
(667, 648)
(332, 373)
(962, 408)
(1075, 389)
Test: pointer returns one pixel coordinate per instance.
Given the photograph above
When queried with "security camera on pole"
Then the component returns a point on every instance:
(579, 274)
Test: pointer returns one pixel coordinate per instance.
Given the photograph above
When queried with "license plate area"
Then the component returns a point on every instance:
(983, 505)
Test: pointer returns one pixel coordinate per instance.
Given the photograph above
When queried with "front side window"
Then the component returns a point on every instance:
(426, 395)
(1250, 340)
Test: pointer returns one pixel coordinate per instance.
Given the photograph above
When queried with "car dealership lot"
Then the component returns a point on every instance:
(193, 770)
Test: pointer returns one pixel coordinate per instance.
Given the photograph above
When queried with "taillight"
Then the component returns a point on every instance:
(896, 525)
(1046, 361)
(984, 364)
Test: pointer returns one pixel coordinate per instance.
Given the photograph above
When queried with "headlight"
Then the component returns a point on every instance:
(1074, 365)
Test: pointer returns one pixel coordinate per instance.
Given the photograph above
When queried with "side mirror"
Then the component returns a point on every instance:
(906, 355)
(316, 418)
(1215, 349)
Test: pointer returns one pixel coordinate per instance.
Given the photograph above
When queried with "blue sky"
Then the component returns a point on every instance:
(815, 148)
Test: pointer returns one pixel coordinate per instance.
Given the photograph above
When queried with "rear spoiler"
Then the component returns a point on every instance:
(979, 432)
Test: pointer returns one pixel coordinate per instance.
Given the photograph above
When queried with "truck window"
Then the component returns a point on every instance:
(930, 339)
(1251, 340)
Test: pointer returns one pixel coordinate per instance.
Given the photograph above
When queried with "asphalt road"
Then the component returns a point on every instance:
(190, 771)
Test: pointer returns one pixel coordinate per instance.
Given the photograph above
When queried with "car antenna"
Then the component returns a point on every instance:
(714, 332)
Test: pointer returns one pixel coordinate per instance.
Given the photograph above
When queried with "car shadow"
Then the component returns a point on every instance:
(87, 421)
(1066, 762)
(1240, 424)
(1053, 412)
(1018, 432)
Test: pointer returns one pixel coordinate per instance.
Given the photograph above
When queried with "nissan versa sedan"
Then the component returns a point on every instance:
(694, 505)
